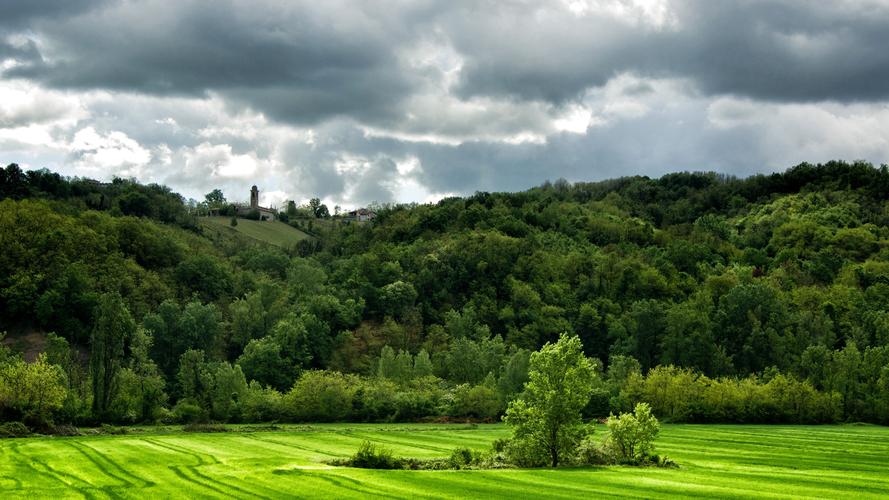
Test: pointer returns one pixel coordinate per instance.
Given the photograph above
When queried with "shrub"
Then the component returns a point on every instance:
(479, 401)
(113, 430)
(321, 396)
(590, 452)
(261, 404)
(413, 404)
(631, 435)
(371, 456)
(462, 458)
(187, 412)
(204, 428)
(66, 430)
(14, 429)
(375, 401)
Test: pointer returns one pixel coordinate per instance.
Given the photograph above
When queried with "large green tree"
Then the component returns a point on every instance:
(546, 419)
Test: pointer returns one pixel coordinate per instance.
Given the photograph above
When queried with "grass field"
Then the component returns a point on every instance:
(272, 232)
(715, 461)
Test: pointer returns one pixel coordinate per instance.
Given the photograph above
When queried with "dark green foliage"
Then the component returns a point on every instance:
(14, 429)
(371, 456)
(114, 327)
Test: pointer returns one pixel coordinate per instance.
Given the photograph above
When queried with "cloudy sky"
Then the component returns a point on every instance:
(415, 100)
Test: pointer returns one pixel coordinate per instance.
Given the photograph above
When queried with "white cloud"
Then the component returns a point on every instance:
(114, 150)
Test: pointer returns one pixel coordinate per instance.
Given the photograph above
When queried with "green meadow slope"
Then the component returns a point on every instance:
(715, 461)
(272, 232)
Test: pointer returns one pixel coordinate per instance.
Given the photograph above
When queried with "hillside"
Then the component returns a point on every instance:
(732, 290)
(272, 232)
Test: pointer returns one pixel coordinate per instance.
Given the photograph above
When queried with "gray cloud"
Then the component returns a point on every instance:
(306, 61)
(332, 98)
(788, 50)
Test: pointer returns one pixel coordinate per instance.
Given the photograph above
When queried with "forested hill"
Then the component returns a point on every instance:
(786, 272)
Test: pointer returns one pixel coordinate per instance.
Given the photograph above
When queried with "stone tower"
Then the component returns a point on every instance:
(254, 197)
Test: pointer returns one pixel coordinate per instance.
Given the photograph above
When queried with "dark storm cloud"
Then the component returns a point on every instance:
(295, 63)
(19, 14)
(306, 61)
(790, 50)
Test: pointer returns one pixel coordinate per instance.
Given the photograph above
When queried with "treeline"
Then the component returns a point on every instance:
(747, 287)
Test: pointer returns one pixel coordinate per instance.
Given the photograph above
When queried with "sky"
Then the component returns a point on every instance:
(411, 101)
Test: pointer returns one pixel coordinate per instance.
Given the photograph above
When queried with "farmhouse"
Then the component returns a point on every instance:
(264, 213)
(362, 215)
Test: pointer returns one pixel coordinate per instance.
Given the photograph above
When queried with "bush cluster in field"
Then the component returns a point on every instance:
(630, 441)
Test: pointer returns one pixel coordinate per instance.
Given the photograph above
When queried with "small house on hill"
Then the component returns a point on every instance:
(264, 213)
(362, 215)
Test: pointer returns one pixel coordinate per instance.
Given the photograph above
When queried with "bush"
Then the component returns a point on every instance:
(631, 435)
(375, 401)
(113, 430)
(14, 429)
(66, 430)
(321, 396)
(526, 454)
(188, 413)
(412, 405)
(462, 457)
(371, 456)
(204, 428)
(261, 404)
(589, 452)
(479, 401)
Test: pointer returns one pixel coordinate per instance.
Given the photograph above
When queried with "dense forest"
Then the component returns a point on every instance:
(712, 298)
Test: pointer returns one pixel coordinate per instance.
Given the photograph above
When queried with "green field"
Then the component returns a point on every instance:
(272, 232)
(715, 461)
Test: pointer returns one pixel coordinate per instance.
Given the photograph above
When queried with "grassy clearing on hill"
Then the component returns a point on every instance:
(272, 232)
(714, 460)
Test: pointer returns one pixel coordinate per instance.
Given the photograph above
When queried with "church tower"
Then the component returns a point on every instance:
(254, 197)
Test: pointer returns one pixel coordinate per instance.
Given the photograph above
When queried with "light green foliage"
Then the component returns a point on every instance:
(469, 361)
(397, 297)
(261, 404)
(422, 364)
(141, 395)
(229, 387)
(77, 381)
(321, 397)
(631, 435)
(546, 418)
(33, 391)
(386, 367)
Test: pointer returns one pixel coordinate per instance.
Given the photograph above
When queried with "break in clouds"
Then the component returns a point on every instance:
(410, 101)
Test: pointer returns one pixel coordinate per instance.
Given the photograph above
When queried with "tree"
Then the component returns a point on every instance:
(149, 388)
(215, 198)
(631, 435)
(114, 326)
(262, 362)
(33, 391)
(422, 364)
(546, 418)
(319, 210)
